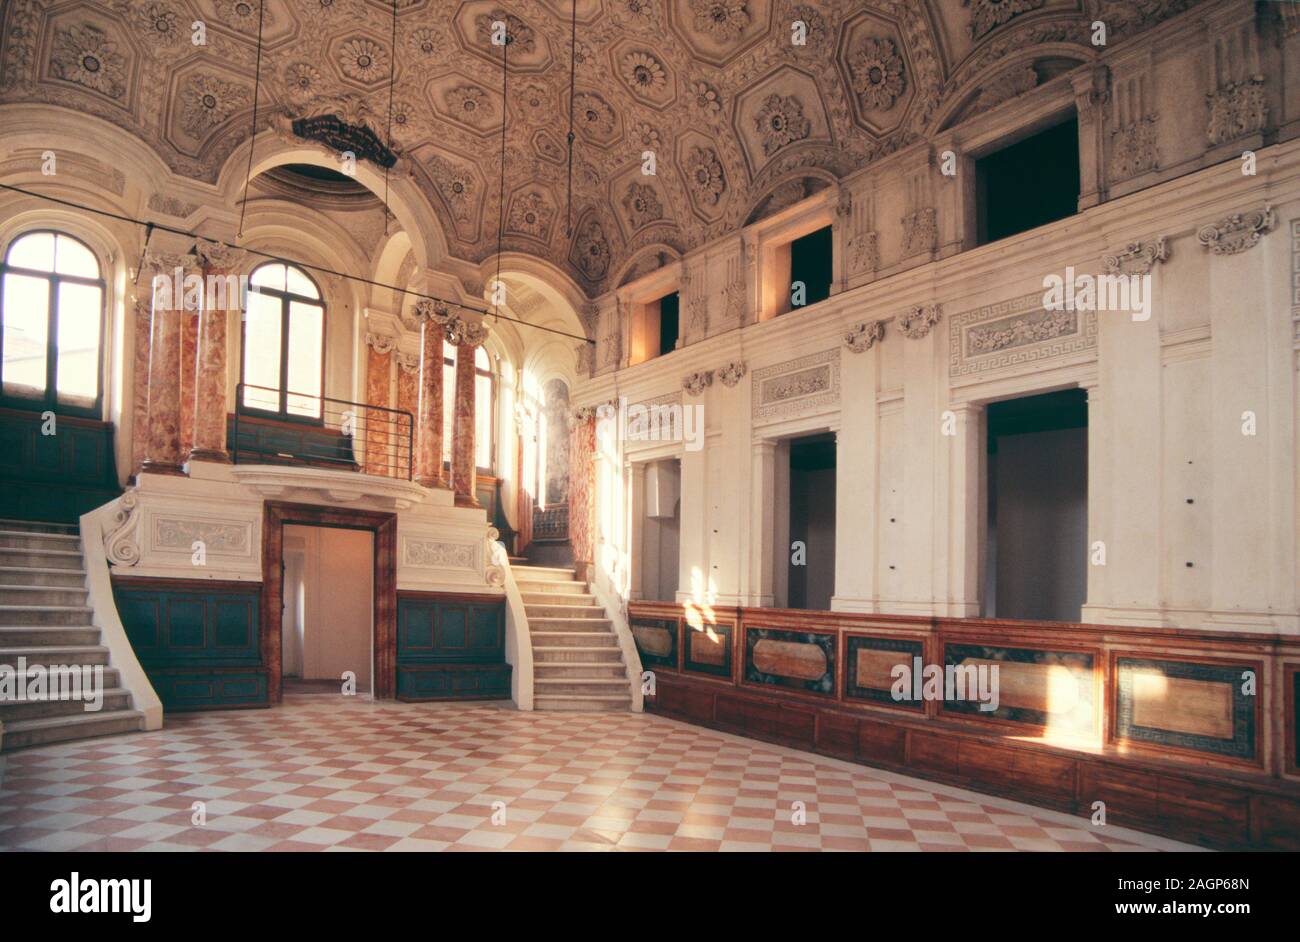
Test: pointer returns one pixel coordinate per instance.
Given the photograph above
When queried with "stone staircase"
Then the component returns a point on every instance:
(577, 662)
(45, 619)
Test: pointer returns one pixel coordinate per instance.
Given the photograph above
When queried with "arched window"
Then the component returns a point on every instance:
(283, 366)
(484, 406)
(52, 312)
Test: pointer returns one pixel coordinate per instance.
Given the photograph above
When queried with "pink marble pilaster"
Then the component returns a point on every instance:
(428, 420)
(462, 454)
(222, 295)
(379, 369)
(163, 453)
(408, 400)
(140, 328)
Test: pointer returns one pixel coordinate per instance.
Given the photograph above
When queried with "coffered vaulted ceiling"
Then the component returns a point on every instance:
(741, 119)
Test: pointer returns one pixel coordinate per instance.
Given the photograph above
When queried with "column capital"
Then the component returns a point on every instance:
(219, 257)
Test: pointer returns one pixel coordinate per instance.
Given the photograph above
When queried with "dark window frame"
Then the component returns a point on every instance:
(50, 400)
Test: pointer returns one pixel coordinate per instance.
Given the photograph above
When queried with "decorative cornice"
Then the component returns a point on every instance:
(732, 373)
(696, 383)
(1238, 232)
(916, 322)
(862, 337)
(1136, 258)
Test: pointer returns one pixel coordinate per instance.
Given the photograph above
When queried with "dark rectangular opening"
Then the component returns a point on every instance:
(668, 315)
(1029, 183)
(810, 263)
(811, 553)
(1037, 473)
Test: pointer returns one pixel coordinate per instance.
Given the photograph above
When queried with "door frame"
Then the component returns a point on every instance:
(384, 584)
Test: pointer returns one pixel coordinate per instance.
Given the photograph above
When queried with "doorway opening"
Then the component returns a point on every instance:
(381, 577)
(327, 632)
(661, 530)
(1036, 552)
(808, 546)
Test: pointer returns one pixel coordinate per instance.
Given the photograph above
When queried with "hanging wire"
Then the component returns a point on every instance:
(392, 80)
(252, 137)
(501, 200)
(573, 79)
(150, 226)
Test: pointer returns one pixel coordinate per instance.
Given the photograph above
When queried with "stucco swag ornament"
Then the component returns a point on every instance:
(862, 337)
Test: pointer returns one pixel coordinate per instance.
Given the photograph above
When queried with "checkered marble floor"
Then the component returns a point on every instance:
(319, 773)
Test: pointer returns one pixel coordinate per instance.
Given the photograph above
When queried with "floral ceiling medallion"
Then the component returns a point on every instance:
(86, 56)
(644, 74)
(704, 173)
(724, 20)
(642, 205)
(877, 70)
(780, 121)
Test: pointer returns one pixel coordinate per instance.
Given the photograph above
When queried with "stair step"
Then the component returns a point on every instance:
(530, 587)
(32, 575)
(112, 679)
(40, 558)
(612, 670)
(58, 654)
(570, 686)
(74, 615)
(582, 702)
(22, 636)
(115, 698)
(567, 624)
(52, 729)
(11, 594)
(570, 639)
(39, 526)
(575, 653)
(31, 539)
(544, 573)
(575, 612)
(573, 599)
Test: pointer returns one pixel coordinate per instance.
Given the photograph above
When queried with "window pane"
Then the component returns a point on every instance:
(300, 284)
(448, 352)
(33, 251)
(448, 409)
(77, 369)
(26, 333)
(481, 361)
(483, 421)
(73, 258)
(269, 276)
(306, 323)
(262, 352)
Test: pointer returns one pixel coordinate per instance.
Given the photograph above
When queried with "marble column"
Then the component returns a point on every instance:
(140, 328)
(408, 400)
(433, 318)
(163, 449)
(463, 469)
(222, 295)
(380, 436)
(582, 490)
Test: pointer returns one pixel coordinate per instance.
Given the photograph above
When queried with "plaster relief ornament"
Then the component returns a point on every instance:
(519, 35)
(593, 115)
(1237, 232)
(86, 56)
(816, 30)
(1136, 258)
(704, 174)
(705, 100)
(1237, 109)
(780, 121)
(696, 383)
(985, 15)
(877, 70)
(917, 321)
(864, 336)
(732, 373)
(364, 60)
(406, 121)
(427, 43)
(920, 230)
(642, 205)
(207, 101)
(302, 80)
(455, 185)
(723, 20)
(158, 24)
(531, 215)
(427, 309)
(533, 102)
(644, 74)
(243, 14)
(634, 12)
(470, 104)
(645, 136)
(592, 251)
